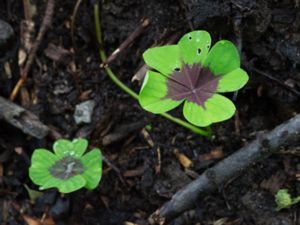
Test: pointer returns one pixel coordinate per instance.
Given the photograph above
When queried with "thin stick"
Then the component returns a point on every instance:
(73, 20)
(121, 85)
(27, 10)
(116, 169)
(127, 42)
(297, 93)
(215, 177)
(45, 25)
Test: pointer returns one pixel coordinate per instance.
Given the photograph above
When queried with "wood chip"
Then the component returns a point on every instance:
(221, 221)
(21, 57)
(85, 95)
(139, 171)
(158, 165)
(147, 137)
(19, 150)
(1, 170)
(129, 223)
(58, 54)
(25, 98)
(259, 91)
(298, 176)
(140, 74)
(7, 70)
(216, 153)
(183, 159)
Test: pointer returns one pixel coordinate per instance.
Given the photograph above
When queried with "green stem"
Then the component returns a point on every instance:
(121, 85)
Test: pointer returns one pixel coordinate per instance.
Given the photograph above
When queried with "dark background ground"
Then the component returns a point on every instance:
(269, 37)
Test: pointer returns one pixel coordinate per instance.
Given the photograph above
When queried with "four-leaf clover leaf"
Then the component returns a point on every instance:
(68, 169)
(192, 73)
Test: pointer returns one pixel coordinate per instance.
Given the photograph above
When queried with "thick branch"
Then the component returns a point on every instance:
(22, 119)
(211, 179)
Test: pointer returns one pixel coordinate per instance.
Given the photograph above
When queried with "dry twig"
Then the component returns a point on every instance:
(128, 41)
(45, 25)
(27, 10)
(73, 20)
(122, 132)
(272, 78)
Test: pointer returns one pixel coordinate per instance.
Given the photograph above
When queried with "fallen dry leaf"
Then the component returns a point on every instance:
(34, 221)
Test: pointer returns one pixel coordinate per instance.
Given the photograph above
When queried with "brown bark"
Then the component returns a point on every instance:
(22, 119)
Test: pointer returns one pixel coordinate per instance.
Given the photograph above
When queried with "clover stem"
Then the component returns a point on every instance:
(134, 95)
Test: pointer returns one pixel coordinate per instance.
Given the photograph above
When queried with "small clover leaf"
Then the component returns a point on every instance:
(284, 200)
(68, 168)
(192, 73)
(93, 175)
(76, 147)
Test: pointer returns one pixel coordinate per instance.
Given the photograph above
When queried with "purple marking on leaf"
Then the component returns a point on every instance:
(66, 167)
(194, 83)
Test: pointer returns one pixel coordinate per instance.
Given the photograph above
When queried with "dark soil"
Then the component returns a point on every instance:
(268, 35)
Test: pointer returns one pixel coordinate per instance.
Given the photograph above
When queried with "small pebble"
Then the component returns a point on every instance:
(84, 111)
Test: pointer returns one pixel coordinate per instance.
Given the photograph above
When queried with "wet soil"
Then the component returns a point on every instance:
(268, 36)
